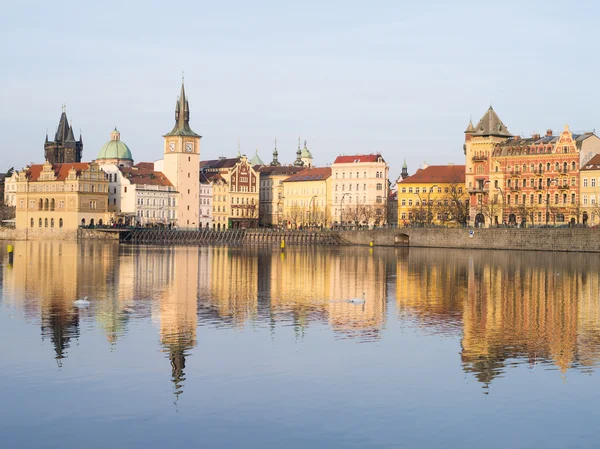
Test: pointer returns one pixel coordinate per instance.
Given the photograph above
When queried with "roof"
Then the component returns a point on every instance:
(141, 176)
(61, 171)
(256, 160)
(279, 170)
(470, 128)
(219, 163)
(437, 173)
(145, 165)
(206, 178)
(530, 145)
(357, 158)
(310, 174)
(115, 148)
(592, 164)
(491, 125)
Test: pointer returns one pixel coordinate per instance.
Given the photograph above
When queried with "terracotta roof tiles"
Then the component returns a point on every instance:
(311, 174)
(438, 173)
(357, 158)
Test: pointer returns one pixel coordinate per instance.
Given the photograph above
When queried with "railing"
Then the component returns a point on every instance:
(479, 158)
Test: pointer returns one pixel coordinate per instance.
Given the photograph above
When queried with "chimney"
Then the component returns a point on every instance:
(549, 133)
(535, 136)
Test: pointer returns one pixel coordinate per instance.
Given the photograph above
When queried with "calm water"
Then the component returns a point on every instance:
(244, 347)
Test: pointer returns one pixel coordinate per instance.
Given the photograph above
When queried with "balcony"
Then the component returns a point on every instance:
(479, 158)
(514, 188)
(538, 171)
(514, 173)
(564, 187)
(478, 189)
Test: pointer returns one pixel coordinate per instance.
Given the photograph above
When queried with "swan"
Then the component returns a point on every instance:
(82, 302)
(358, 300)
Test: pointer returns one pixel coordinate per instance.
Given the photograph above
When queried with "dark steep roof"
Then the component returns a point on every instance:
(182, 117)
(491, 125)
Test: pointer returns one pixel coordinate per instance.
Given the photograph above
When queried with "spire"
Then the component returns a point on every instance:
(80, 138)
(46, 135)
(70, 136)
(298, 162)
(470, 128)
(404, 164)
(63, 127)
(275, 162)
(404, 173)
(182, 116)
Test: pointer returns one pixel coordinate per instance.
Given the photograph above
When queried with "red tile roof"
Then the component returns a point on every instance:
(438, 173)
(311, 174)
(143, 176)
(357, 158)
(592, 164)
(145, 165)
(61, 171)
(280, 170)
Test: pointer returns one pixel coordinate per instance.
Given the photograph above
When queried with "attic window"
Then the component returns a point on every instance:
(356, 160)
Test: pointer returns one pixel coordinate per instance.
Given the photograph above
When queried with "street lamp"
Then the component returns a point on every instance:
(502, 195)
(309, 210)
(342, 206)
(548, 184)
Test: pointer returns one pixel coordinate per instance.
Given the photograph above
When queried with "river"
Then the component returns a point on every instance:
(226, 347)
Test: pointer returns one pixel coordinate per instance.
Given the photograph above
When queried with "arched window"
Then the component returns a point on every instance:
(52, 222)
(572, 165)
(60, 222)
(548, 166)
(52, 204)
(31, 223)
(41, 204)
(40, 222)
(45, 222)
(46, 207)
(83, 222)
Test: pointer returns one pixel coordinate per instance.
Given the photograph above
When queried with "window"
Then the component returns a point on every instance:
(60, 222)
(31, 225)
(403, 202)
(410, 202)
(593, 182)
(52, 222)
(585, 182)
(380, 187)
(40, 222)
(403, 189)
(45, 222)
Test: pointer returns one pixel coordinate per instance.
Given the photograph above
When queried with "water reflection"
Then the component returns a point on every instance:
(534, 308)
(502, 308)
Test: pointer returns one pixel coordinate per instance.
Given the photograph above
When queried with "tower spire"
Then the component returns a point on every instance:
(182, 116)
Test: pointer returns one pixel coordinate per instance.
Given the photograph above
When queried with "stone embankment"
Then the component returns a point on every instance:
(533, 239)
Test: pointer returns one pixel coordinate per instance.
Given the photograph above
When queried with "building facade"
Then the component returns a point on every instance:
(235, 192)
(140, 196)
(360, 190)
(206, 202)
(519, 181)
(271, 195)
(64, 148)
(589, 183)
(62, 196)
(181, 164)
(307, 198)
(433, 195)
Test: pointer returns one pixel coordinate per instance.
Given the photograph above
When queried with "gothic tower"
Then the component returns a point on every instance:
(182, 164)
(64, 148)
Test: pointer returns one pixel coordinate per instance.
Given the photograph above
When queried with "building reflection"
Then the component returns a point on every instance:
(510, 307)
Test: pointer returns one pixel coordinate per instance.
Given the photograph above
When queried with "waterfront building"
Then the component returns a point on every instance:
(435, 194)
(6, 195)
(235, 198)
(360, 190)
(517, 180)
(61, 196)
(64, 148)
(271, 195)
(307, 198)
(206, 202)
(139, 195)
(590, 191)
(181, 164)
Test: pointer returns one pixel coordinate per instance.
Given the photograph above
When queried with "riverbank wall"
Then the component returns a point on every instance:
(55, 234)
(532, 239)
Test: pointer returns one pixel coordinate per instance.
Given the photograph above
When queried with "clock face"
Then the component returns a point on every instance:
(172, 146)
(189, 147)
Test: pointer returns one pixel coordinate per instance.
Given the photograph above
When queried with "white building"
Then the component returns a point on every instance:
(360, 189)
(206, 205)
(140, 195)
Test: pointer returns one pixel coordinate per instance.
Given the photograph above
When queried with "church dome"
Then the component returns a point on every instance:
(115, 148)
(305, 152)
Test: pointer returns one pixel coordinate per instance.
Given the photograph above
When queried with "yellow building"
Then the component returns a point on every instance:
(307, 198)
(235, 195)
(60, 196)
(589, 185)
(271, 192)
(434, 194)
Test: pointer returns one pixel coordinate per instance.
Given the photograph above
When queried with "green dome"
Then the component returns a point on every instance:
(115, 148)
(305, 153)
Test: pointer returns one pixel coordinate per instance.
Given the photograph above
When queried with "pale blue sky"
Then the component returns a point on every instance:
(350, 77)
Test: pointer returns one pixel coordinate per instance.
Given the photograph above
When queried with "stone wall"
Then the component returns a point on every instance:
(55, 234)
(37, 234)
(536, 239)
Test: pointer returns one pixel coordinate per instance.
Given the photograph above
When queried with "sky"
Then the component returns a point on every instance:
(351, 77)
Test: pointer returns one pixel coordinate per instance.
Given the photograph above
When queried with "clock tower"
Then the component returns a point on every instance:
(182, 164)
